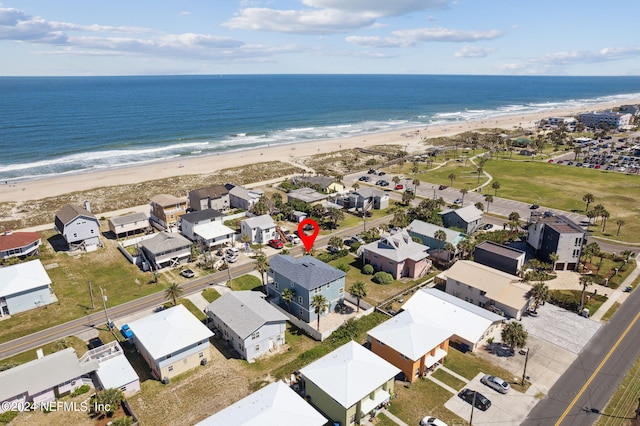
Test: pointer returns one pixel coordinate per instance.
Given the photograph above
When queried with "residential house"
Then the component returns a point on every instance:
(306, 277)
(79, 227)
(166, 211)
(306, 195)
(114, 371)
(205, 227)
(243, 198)
(398, 255)
(503, 258)
(274, 404)
(349, 383)
(559, 235)
(410, 342)
(165, 249)
(468, 218)
(248, 323)
(367, 199)
(172, 341)
(129, 224)
(24, 286)
(426, 232)
(212, 197)
(43, 380)
(470, 325)
(488, 288)
(326, 184)
(19, 244)
(258, 229)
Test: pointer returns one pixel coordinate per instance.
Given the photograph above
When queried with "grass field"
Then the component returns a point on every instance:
(245, 282)
(620, 410)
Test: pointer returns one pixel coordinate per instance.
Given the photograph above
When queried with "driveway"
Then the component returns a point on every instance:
(507, 409)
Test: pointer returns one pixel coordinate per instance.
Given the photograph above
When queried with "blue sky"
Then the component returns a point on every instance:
(144, 37)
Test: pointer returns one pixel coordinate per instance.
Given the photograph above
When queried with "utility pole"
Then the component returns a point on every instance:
(104, 303)
(93, 305)
(524, 372)
(473, 405)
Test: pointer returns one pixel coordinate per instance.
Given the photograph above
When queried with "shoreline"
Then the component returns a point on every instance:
(412, 138)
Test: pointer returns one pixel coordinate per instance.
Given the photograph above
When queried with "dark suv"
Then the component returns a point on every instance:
(481, 401)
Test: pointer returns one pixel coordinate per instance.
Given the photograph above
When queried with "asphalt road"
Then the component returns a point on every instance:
(589, 383)
(98, 319)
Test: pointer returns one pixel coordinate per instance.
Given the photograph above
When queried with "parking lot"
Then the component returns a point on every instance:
(508, 409)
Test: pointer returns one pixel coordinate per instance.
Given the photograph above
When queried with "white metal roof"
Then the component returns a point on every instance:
(263, 222)
(444, 310)
(116, 372)
(22, 277)
(410, 334)
(275, 404)
(212, 230)
(349, 373)
(169, 331)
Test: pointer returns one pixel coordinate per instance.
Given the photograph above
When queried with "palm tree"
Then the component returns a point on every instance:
(514, 335)
(440, 236)
(320, 304)
(355, 186)
(514, 220)
(451, 177)
(489, 200)
(466, 247)
(173, 293)
(585, 280)
(287, 297)
(416, 184)
(554, 257)
(464, 192)
(588, 198)
(359, 291)
(495, 185)
(336, 242)
(577, 151)
(591, 214)
(540, 294)
(605, 215)
(479, 206)
(407, 197)
(479, 170)
(262, 265)
(396, 179)
(619, 222)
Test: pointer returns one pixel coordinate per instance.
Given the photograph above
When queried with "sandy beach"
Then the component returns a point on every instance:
(411, 139)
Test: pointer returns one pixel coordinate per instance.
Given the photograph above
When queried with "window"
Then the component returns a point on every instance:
(257, 348)
(275, 284)
(578, 241)
(169, 356)
(201, 355)
(123, 388)
(317, 290)
(75, 235)
(255, 335)
(170, 368)
(328, 285)
(300, 299)
(482, 293)
(340, 290)
(300, 312)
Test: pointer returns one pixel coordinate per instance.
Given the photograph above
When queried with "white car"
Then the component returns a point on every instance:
(432, 421)
(294, 239)
(496, 383)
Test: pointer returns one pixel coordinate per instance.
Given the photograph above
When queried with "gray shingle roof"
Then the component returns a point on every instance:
(200, 215)
(70, 212)
(213, 192)
(164, 241)
(129, 218)
(308, 272)
(244, 311)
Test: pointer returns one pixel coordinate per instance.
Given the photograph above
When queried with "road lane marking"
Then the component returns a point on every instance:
(597, 370)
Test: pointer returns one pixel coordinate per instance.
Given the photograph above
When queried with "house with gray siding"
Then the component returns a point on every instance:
(166, 249)
(24, 286)
(305, 276)
(248, 323)
(425, 232)
(243, 198)
(212, 197)
(79, 227)
(43, 380)
(367, 199)
(468, 218)
(503, 258)
(258, 229)
(129, 224)
(559, 235)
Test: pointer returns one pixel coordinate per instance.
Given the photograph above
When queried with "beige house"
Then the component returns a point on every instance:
(487, 287)
(172, 341)
(166, 209)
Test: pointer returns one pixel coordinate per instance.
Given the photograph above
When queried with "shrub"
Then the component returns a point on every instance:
(367, 269)
(354, 247)
(344, 267)
(382, 278)
(82, 389)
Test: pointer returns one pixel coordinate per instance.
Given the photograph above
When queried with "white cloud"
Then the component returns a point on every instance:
(327, 16)
(184, 13)
(447, 35)
(473, 52)
(373, 41)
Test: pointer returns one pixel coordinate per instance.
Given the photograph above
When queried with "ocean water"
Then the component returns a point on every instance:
(56, 125)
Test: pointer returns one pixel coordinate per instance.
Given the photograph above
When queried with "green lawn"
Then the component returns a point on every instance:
(422, 398)
(245, 282)
(612, 310)
(621, 408)
(563, 187)
(448, 379)
(210, 294)
(78, 345)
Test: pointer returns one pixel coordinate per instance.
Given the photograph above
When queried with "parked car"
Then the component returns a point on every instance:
(126, 331)
(277, 244)
(294, 239)
(187, 273)
(399, 186)
(478, 400)
(487, 226)
(356, 239)
(381, 173)
(457, 201)
(371, 172)
(432, 421)
(534, 207)
(495, 383)
(95, 343)
(364, 179)
(442, 187)
(384, 183)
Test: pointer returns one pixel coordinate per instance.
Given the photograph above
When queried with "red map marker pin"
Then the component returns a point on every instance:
(308, 240)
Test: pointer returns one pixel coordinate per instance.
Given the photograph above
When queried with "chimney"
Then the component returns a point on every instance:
(87, 206)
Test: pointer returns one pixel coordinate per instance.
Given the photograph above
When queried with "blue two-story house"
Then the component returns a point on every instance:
(306, 277)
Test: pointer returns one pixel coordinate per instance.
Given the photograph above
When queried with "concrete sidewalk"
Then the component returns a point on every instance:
(615, 296)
